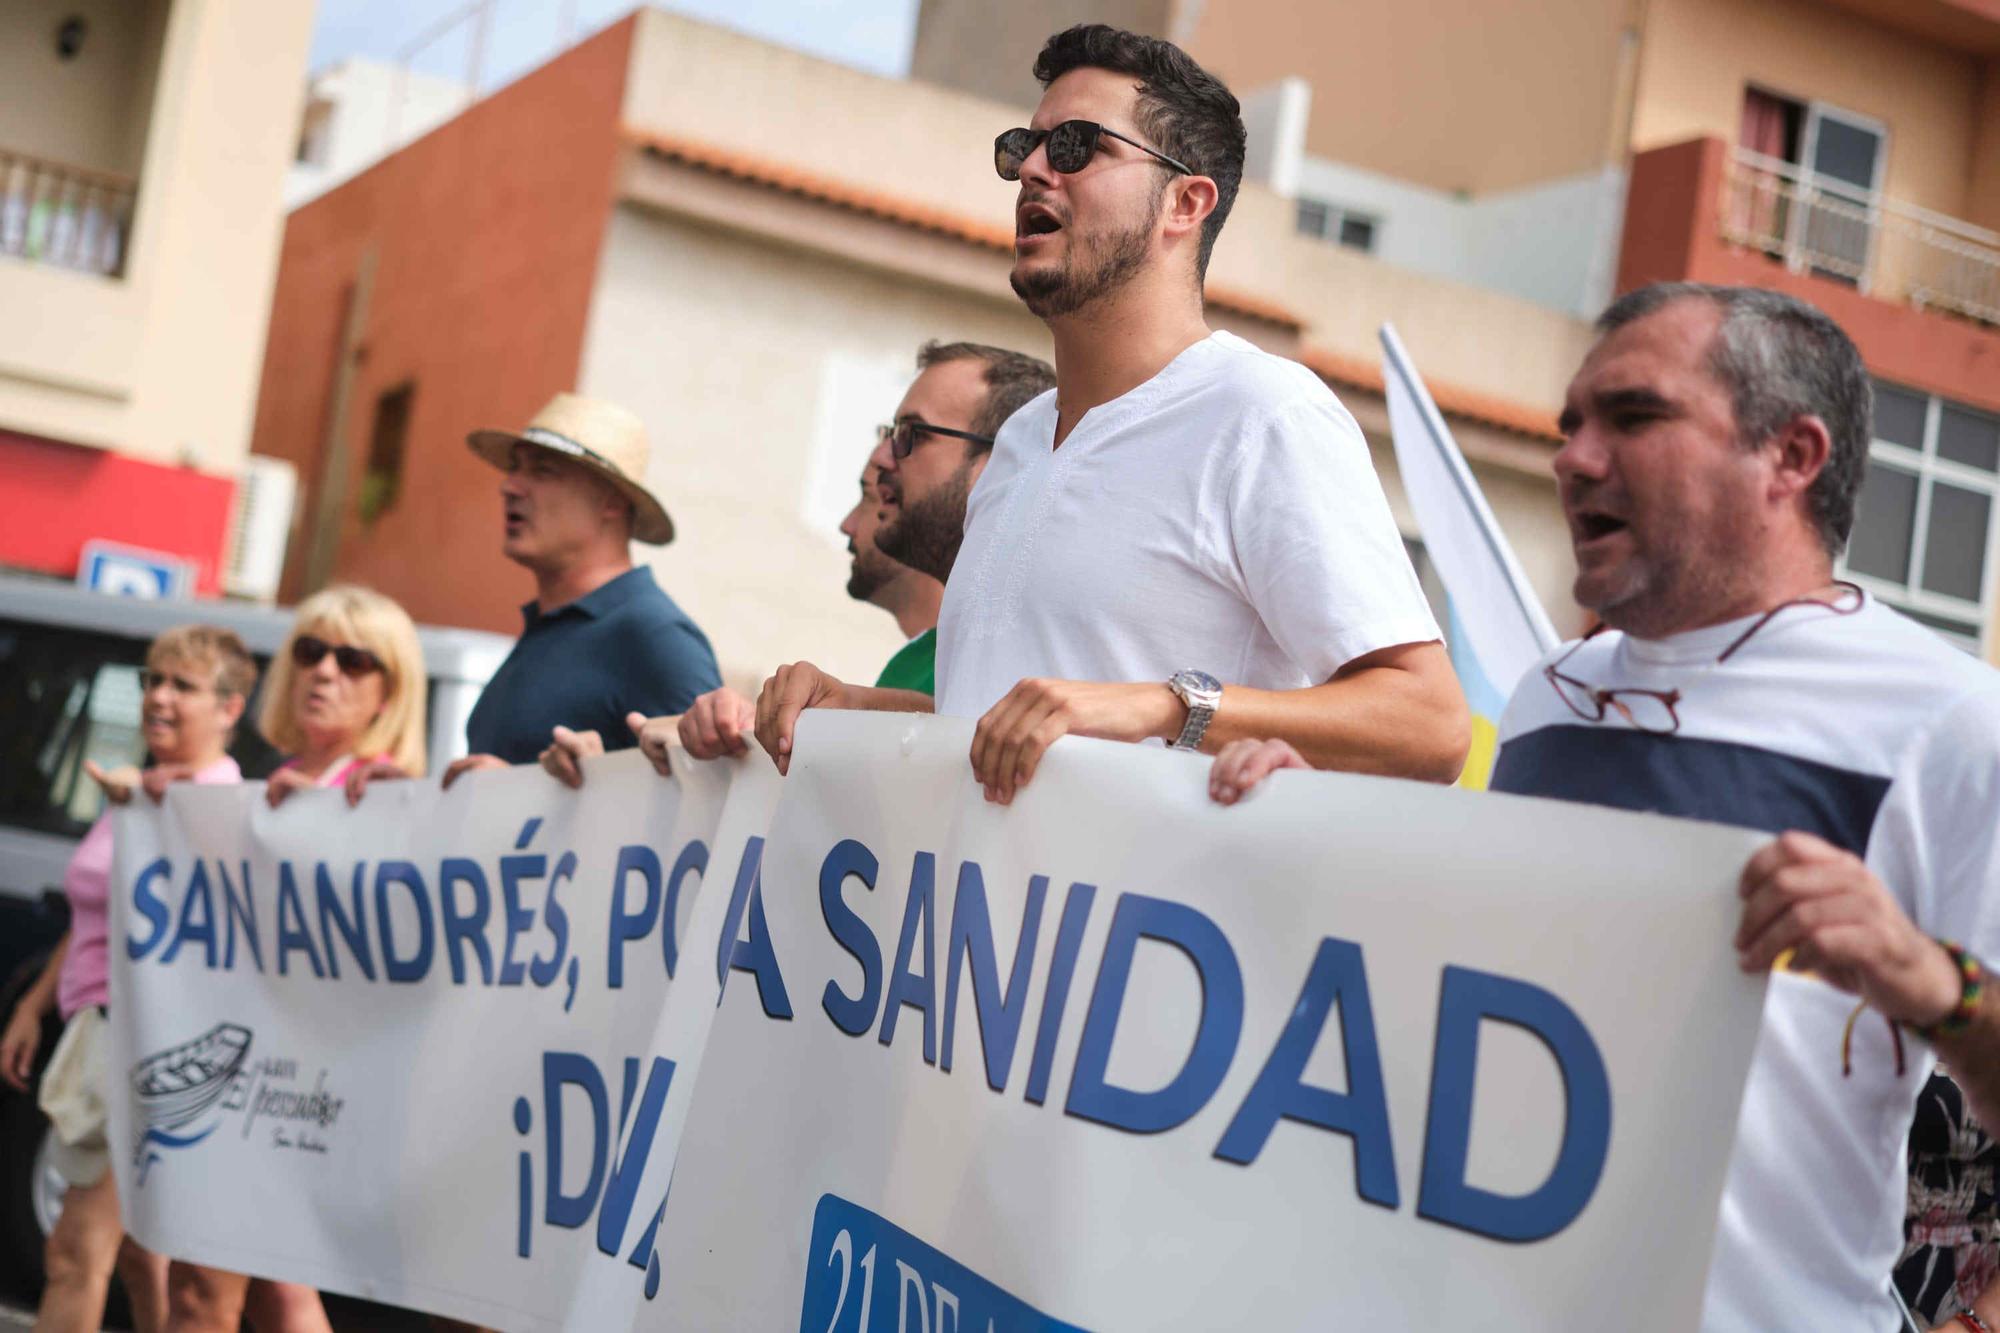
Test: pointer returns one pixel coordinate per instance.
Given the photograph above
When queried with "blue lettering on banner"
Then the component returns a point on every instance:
(463, 930)
(609, 1188)
(751, 953)
(150, 906)
(693, 861)
(1467, 999)
(293, 935)
(627, 924)
(1335, 989)
(915, 989)
(1362, 1112)
(864, 1272)
(217, 920)
(999, 1014)
(854, 1014)
(1091, 1095)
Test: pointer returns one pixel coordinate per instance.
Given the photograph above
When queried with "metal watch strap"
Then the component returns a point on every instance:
(1201, 693)
(1196, 727)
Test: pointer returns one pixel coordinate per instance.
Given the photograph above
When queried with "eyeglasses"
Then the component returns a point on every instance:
(150, 680)
(902, 436)
(1071, 146)
(1658, 711)
(307, 652)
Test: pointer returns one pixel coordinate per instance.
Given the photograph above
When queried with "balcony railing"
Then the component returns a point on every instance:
(1887, 248)
(53, 213)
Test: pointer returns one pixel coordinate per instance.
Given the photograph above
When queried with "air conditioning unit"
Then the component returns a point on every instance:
(260, 528)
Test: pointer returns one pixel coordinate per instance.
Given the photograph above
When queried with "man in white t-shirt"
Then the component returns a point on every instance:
(1715, 442)
(1186, 540)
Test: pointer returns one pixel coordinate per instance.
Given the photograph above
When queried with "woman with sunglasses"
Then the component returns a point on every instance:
(345, 690)
(194, 684)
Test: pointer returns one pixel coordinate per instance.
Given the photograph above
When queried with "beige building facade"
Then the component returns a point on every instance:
(142, 148)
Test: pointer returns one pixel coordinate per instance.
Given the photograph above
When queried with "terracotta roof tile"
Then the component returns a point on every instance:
(1484, 408)
(891, 208)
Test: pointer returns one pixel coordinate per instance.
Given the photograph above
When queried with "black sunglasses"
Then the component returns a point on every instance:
(1071, 146)
(307, 652)
(902, 437)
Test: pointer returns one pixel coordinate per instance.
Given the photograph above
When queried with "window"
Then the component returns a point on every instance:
(383, 479)
(1816, 178)
(1923, 532)
(1329, 222)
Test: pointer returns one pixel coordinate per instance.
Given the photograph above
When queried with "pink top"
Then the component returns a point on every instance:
(336, 772)
(88, 884)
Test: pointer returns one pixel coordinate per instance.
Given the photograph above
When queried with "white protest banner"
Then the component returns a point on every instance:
(611, 1289)
(389, 1050)
(1353, 1054)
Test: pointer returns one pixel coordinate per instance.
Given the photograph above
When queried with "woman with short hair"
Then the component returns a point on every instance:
(196, 681)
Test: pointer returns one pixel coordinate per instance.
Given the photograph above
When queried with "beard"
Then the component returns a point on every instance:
(927, 533)
(870, 573)
(1092, 268)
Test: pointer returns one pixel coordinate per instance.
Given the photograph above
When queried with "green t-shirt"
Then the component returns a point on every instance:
(914, 667)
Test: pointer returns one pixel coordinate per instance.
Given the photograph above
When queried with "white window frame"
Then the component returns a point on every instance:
(1928, 468)
(1817, 113)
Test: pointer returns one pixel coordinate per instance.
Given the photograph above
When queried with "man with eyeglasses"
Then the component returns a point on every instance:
(1714, 443)
(903, 534)
(1185, 541)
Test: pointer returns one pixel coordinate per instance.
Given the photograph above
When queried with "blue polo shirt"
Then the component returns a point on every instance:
(622, 648)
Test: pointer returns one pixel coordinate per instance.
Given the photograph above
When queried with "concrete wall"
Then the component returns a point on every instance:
(1396, 86)
(1554, 244)
(761, 371)
(162, 363)
(989, 50)
(91, 110)
(1699, 55)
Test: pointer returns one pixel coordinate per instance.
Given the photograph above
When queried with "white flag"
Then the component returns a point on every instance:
(1498, 627)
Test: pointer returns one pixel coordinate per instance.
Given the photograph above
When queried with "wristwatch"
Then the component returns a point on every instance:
(1202, 693)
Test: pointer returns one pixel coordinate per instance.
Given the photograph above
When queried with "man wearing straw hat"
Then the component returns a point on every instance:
(600, 639)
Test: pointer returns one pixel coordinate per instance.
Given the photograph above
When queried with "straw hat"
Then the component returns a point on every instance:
(601, 436)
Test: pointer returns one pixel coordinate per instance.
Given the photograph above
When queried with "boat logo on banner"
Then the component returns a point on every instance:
(186, 1092)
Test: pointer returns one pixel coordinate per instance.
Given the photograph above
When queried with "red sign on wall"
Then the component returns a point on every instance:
(55, 497)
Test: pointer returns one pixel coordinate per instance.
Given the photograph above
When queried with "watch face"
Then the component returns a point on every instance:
(1199, 681)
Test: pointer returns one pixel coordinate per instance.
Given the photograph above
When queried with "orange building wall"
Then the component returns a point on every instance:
(1671, 234)
(487, 234)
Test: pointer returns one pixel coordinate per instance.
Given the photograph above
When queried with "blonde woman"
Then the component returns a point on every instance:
(345, 694)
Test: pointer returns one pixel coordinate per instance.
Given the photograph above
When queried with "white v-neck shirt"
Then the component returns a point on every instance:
(1223, 516)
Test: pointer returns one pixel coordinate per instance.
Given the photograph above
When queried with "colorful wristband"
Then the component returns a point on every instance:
(1972, 987)
(1972, 1321)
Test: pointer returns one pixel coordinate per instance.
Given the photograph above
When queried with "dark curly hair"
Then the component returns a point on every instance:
(1183, 109)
